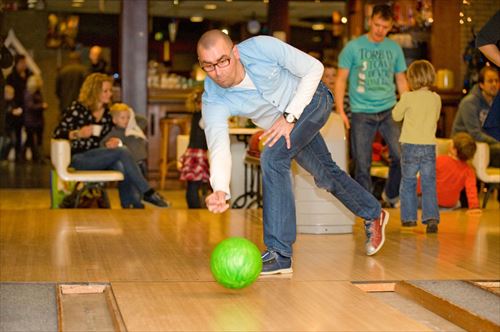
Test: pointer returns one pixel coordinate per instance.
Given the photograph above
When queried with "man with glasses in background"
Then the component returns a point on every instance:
(278, 87)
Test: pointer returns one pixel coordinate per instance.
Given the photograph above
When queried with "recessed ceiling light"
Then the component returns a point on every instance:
(196, 19)
(343, 19)
(210, 6)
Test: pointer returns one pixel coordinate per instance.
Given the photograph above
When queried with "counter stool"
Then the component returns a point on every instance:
(252, 183)
(184, 124)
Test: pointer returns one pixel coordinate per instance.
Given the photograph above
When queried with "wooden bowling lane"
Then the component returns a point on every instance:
(175, 245)
(267, 305)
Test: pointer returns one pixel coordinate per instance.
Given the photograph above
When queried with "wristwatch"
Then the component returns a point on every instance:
(289, 117)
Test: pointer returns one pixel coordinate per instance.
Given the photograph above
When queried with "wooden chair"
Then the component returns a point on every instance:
(60, 156)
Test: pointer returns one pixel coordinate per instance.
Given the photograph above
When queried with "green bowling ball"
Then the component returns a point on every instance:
(235, 263)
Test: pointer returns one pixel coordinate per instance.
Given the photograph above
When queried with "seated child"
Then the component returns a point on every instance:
(127, 133)
(195, 169)
(453, 174)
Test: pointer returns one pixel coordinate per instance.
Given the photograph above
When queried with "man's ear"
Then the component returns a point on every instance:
(236, 52)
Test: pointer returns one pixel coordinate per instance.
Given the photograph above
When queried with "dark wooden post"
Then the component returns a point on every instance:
(134, 54)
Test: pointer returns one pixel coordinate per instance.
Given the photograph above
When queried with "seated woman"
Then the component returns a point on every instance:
(85, 122)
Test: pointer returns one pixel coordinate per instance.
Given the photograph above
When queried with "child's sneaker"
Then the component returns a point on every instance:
(432, 226)
(275, 263)
(375, 233)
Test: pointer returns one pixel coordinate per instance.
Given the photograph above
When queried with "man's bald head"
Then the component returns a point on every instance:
(212, 37)
(95, 54)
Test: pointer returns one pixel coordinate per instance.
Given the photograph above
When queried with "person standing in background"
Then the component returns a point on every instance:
(34, 106)
(329, 78)
(195, 169)
(420, 109)
(97, 63)
(372, 63)
(17, 79)
(5, 62)
(69, 81)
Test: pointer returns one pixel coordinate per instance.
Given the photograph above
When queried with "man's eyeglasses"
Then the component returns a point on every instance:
(222, 63)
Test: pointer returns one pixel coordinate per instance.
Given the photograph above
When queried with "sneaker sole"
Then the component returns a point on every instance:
(280, 271)
(384, 223)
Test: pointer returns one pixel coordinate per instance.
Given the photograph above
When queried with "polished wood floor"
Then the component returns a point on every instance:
(157, 262)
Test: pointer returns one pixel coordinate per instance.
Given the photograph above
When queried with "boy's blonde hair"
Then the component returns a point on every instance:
(421, 74)
(91, 89)
(465, 146)
(118, 108)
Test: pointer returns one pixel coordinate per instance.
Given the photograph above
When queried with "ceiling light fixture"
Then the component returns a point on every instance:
(210, 6)
(318, 26)
(196, 19)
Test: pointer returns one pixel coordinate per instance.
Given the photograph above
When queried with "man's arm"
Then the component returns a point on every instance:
(401, 83)
(488, 37)
(298, 63)
(340, 88)
(492, 52)
(398, 112)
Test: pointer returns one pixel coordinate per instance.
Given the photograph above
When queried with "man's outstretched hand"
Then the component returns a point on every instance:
(216, 202)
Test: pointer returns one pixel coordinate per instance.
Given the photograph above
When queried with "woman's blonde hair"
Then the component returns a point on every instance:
(421, 74)
(34, 83)
(91, 89)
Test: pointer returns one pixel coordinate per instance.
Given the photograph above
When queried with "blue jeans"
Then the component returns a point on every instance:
(309, 149)
(120, 159)
(364, 126)
(415, 158)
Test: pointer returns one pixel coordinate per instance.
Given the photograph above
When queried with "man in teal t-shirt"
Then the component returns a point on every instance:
(374, 66)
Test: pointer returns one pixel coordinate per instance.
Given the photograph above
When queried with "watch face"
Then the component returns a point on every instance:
(290, 118)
